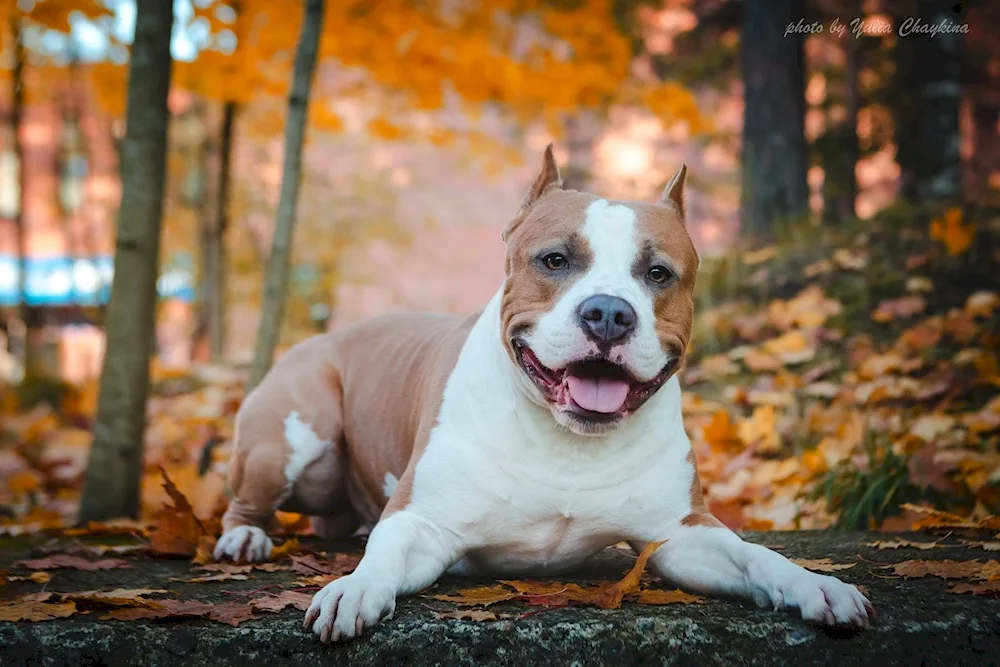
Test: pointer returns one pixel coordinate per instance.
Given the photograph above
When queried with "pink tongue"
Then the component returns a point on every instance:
(598, 394)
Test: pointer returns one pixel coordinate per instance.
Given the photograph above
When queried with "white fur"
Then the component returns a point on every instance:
(557, 338)
(244, 544)
(389, 485)
(503, 488)
(306, 447)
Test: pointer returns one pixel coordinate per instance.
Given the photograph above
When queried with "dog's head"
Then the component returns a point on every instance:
(597, 302)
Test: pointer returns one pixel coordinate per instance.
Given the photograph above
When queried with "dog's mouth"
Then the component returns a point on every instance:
(593, 390)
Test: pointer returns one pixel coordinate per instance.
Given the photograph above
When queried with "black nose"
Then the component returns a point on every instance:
(606, 319)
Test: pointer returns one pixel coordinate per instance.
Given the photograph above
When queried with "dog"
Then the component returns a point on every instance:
(520, 440)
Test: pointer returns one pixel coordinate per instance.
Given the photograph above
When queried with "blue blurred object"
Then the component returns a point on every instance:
(63, 281)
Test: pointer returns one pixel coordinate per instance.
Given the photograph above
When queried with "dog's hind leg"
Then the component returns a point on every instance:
(286, 455)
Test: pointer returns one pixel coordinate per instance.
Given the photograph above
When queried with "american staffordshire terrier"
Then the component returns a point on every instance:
(520, 440)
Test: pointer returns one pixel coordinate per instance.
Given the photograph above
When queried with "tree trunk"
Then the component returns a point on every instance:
(114, 471)
(213, 244)
(927, 99)
(276, 281)
(19, 339)
(840, 184)
(774, 153)
(939, 164)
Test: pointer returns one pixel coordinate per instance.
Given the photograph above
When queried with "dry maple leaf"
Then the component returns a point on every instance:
(949, 229)
(338, 564)
(821, 564)
(988, 588)
(233, 568)
(467, 615)
(222, 576)
(119, 597)
(482, 596)
(931, 518)
(275, 603)
(612, 597)
(903, 307)
(176, 530)
(73, 563)
(32, 611)
(658, 597)
(945, 569)
(230, 613)
(900, 543)
(722, 435)
(285, 550)
(110, 528)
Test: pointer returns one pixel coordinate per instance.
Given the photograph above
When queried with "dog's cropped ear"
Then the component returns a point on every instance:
(673, 194)
(548, 179)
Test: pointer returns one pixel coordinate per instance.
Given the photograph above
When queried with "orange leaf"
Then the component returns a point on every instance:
(482, 596)
(176, 530)
(275, 603)
(35, 611)
(955, 236)
(612, 597)
(73, 563)
(658, 597)
(945, 569)
(721, 434)
(821, 564)
(989, 588)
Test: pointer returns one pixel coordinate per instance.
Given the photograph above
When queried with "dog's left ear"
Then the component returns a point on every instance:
(673, 194)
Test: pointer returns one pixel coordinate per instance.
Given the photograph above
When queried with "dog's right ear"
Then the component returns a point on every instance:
(548, 179)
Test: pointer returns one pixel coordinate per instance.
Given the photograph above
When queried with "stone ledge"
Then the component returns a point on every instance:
(919, 623)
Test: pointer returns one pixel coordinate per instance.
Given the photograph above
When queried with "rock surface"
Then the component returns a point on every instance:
(919, 622)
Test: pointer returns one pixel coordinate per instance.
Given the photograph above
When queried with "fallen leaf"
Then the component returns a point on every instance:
(230, 613)
(275, 603)
(945, 569)
(988, 588)
(903, 307)
(629, 584)
(176, 530)
(40, 577)
(919, 284)
(659, 597)
(982, 304)
(467, 615)
(119, 597)
(338, 564)
(721, 434)
(846, 259)
(931, 518)
(900, 543)
(821, 564)
(222, 576)
(32, 611)
(111, 528)
(289, 547)
(233, 568)
(73, 563)
(950, 231)
(482, 596)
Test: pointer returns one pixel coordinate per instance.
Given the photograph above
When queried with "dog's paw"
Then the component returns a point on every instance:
(244, 544)
(347, 606)
(826, 601)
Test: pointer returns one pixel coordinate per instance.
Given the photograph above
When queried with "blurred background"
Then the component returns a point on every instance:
(844, 171)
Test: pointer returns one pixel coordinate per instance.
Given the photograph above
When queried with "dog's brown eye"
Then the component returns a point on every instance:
(555, 261)
(658, 274)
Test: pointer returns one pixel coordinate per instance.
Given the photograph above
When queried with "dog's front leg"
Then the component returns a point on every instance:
(714, 560)
(405, 553)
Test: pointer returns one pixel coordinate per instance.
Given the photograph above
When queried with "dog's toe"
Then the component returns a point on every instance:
(244, 544)
(348, 606)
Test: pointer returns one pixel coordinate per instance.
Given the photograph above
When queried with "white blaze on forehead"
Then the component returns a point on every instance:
(557, 339)
(389, 485)
(306, 446)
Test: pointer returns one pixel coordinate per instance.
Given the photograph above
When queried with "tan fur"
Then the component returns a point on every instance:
(699, 515)
(378, 426)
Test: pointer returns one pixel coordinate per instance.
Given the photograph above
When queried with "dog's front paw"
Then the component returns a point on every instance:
(826, 601)
(244, 544)
(346, 606)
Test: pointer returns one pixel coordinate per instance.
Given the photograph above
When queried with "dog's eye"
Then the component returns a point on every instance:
(555, 261)
(659, 274)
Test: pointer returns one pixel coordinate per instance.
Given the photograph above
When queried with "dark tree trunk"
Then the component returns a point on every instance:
(840, 185)
(774, 153)
(276, 281)
(215, 224)
(927, 110)
(114, 471)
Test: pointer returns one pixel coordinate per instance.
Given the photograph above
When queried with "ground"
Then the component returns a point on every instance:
(919, 622)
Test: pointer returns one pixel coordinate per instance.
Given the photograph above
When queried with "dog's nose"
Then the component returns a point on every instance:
(606, 319)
